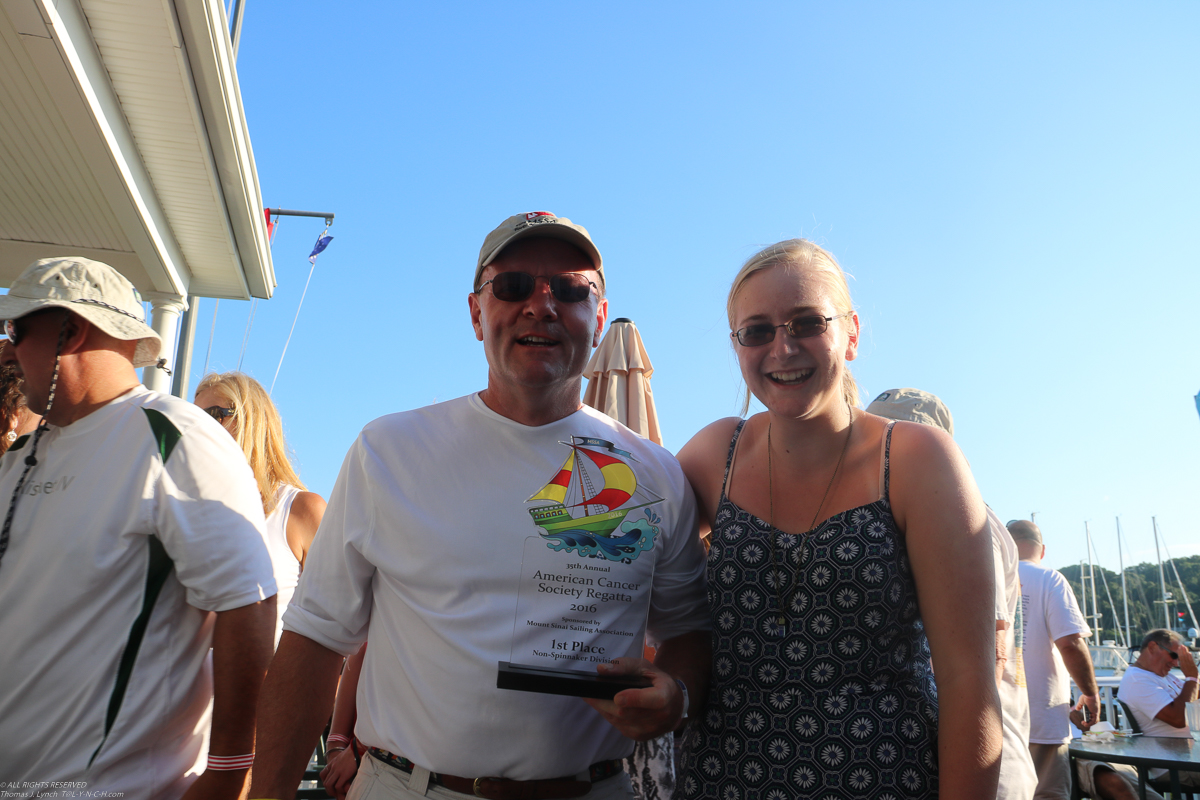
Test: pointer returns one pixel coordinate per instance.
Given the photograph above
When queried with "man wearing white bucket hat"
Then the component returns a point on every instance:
(129, 518)
(1018, 779)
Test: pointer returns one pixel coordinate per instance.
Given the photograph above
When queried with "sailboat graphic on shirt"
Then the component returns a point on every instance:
(589, 498)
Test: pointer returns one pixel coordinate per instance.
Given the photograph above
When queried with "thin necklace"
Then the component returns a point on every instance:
(811, 526)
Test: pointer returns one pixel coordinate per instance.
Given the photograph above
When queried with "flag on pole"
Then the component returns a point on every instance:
(322, 242)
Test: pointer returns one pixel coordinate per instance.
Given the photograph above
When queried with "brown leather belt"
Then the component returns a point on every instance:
(505, 788)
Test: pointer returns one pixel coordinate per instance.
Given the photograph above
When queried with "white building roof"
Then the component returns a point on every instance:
(122, 138)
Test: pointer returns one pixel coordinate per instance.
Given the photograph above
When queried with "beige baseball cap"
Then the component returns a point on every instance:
(91, 289)
(534, 224)
(913, 405)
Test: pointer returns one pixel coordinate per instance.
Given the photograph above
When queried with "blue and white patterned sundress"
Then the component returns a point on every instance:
(840, 705)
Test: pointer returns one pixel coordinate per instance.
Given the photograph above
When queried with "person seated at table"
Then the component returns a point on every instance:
(1157, 701)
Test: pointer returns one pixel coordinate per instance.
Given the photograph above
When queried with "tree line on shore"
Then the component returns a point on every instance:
(1144, 594)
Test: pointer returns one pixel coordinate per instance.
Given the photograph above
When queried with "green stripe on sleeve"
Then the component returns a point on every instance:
(158, 568)
(166, 435)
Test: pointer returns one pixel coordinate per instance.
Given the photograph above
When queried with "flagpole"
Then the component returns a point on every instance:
(322, 242)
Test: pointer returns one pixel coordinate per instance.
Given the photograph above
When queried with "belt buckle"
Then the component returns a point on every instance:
(476, 788)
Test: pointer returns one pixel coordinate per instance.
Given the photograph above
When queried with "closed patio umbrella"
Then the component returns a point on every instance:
(619, 380)
(619, 385)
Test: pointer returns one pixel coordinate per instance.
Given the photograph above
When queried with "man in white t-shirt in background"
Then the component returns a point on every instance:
(422, 545)
(1157, 701)
(132, 546)
(1017, 776)
(1157, 698)
(1055, 646)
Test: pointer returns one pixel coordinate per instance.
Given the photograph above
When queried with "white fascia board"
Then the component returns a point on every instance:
(205, 143)
(210, 59)
(72, 35)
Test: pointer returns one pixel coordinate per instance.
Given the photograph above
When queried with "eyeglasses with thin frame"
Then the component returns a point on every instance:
(219, 413)
(515, 287)
(802, 327)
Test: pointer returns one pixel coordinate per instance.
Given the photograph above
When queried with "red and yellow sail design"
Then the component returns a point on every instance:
(556, 489)
(591, 492)
(619, 481)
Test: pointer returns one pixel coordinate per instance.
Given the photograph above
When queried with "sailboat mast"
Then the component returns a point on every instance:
(1186, 600)
(585, 483)
(1162, 581)
(1092, 578)
(1083, 586)
(1124, 594)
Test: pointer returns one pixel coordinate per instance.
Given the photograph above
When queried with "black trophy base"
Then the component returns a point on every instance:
(570, 682)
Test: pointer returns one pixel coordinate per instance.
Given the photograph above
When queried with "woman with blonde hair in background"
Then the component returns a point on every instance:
(845, 548)
(241, 405)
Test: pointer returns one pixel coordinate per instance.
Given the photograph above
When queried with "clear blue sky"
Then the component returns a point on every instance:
(1014, 190)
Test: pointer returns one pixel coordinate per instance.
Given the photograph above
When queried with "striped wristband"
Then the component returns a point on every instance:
(229, 763)
(337, 739)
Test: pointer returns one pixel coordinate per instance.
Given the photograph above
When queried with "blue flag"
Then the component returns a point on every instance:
(322, 243)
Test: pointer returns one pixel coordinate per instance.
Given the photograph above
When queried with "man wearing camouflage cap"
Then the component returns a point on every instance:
(130, 517)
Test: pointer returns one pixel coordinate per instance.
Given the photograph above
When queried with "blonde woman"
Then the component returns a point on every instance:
(845, 549)
(241, 405)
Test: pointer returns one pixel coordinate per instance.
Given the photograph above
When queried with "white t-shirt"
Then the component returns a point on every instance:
(1146, 694)
(145, 491)
(284, 561)
(420, 551)
(1050, 612)
(1018, 778)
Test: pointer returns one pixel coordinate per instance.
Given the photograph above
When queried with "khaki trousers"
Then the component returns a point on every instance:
(1052, 765)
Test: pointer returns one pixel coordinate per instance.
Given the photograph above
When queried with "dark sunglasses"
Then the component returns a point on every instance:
(802, 327)
(513, 287)
(10, 330)
(13, 332)
(218, 413)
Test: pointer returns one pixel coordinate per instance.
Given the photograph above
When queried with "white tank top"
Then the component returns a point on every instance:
(287, 566)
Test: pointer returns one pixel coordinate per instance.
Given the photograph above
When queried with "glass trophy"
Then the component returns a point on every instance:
(572, 614)
(584, 590)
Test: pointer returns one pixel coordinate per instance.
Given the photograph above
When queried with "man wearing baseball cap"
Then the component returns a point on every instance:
(421, 552)
(1017, 776)
(130, 517)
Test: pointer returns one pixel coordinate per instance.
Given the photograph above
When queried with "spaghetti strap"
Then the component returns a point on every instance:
(886, 463)
(737, 432)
